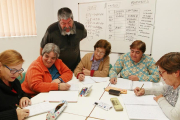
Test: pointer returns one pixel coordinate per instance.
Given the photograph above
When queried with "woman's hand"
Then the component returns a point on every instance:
(133, 78)
(24, 101)
(56, 81)
(157, 97)
(86, 72)
(81, 77)
(113, 80)
(22, 113)
(64, 86)
(139, 92)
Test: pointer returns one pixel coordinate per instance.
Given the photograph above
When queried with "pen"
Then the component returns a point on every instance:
(18, 106)
(141, 87)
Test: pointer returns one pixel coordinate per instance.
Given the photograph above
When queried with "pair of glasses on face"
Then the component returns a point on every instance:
(160, 73)
(101, 53)
(13, 71)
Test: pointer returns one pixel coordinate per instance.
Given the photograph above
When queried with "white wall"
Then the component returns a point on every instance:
(29, 47)
(166, 33)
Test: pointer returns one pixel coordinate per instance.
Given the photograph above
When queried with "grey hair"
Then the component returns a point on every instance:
(65, 13)
(51, 47)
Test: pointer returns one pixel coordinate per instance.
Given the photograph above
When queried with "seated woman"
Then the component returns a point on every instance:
(95, 64)
(47, 72)
(10, 88)
(135, 65)
(167, 96)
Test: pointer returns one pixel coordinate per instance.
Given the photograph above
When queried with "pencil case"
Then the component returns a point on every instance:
(54, 113)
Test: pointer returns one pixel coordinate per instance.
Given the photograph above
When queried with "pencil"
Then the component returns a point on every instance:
(141, 87)
(18, 106)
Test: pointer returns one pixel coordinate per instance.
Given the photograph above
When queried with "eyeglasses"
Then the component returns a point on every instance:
(13, 71)
(160, 73)
(98, 51)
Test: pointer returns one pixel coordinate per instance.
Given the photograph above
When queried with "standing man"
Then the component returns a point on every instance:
(67, 34)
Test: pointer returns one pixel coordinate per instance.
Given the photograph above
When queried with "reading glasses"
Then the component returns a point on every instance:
(13, 71)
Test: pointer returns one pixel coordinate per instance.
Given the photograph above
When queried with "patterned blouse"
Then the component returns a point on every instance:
(145, 69)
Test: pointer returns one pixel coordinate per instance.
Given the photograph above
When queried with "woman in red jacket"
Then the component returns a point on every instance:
(47, 72)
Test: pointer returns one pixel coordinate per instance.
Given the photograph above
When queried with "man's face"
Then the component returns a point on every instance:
(66, 25)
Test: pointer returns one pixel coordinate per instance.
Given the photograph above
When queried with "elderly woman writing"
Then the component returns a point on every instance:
(47, 72)
(135, 65)
(95, 64)
(10, 88)
(167, 96)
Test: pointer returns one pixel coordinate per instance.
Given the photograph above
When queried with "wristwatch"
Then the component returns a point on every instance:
(60, 79)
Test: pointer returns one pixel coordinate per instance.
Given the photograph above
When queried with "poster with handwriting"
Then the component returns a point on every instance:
(120, 22)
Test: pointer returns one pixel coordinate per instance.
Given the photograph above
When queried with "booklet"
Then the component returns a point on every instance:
(131, 85)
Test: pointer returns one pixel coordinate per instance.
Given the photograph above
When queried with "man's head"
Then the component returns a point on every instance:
(65, 18)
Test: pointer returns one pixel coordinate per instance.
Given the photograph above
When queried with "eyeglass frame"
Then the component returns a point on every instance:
(101, 53)
(19, 71)
(160, 73)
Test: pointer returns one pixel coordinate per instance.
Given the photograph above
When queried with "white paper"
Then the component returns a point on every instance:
(145, 112)
(74, 87)
(99, 79)
(69, 96)
(88, 80)
(39, 108)
(140, 83)
(132, 99)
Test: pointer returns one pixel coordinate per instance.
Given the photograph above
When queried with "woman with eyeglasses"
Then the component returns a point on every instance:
(135, 65)
(168, 95)
(95, 64)
(47, 72)
(10, 88)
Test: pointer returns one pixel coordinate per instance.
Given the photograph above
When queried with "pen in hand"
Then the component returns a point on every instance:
(18, 106)
(141, 87)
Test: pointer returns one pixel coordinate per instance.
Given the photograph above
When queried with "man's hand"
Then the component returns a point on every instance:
(64, 86)
(56, 81)
(133, 78)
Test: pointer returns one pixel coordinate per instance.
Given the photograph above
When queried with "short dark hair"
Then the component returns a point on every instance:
(65, 13)
(138, 44)
(170, 62)
(103, 44)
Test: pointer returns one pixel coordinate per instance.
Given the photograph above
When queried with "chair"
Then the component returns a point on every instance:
(21, 80)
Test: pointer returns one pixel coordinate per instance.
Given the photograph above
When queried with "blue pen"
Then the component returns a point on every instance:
(81, 93)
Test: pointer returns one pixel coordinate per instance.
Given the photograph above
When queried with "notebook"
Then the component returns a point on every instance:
(39, 108)
(142, 107)
(131, 85)
(69, 96)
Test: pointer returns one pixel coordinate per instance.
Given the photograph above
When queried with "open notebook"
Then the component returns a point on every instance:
(69, 96)
(142, 107)
(130, 85)
(39, 108)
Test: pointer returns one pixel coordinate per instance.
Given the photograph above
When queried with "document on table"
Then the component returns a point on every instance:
(74, 87)
(132, 99)
(69, 96)
(145, 112)
(91, 80)
(130, 85)
(39, 108)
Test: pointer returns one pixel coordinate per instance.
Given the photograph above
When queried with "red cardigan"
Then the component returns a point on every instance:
(38, 79)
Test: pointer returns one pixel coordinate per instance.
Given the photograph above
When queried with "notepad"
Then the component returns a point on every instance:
(142, 107)
(131, 85)
(91, 80)
(74, 87)
(39, 108)
(69, 96)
